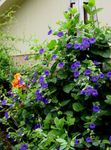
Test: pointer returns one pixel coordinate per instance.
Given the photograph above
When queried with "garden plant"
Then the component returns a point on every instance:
(63, 102)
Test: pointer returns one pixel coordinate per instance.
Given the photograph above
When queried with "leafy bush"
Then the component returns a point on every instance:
(66, 102)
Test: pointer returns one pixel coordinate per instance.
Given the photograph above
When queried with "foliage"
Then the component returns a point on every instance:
(67, 102)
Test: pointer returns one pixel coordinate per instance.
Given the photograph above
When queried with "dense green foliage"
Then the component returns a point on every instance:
(67, 101)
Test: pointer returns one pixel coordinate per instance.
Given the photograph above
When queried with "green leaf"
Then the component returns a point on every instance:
(91, 3)
(65, 102)
(52, 44)
(68, 88)
(104, 53)
(70, 121)
(96, 11)
(61, 74)
(108, 100)
(87, 8)
(59, 122)
(77, 107)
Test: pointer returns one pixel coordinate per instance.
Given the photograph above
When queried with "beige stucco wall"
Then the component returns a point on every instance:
(105, 15)
(34, 16)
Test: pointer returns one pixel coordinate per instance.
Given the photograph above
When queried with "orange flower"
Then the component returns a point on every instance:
(16, 82)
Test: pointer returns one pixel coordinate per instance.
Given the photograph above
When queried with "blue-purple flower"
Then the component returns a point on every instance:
(76, 74)
(82, 47)
(92, 126)
(95, 78)
(41, 51)
(108, 74)
(94, 92)
(96, 109)
(76, 141)
(46, 72)
(50, 32)
(58, 147)
(60, 34)
(4, 102)
(76, 46)
(88, 140)
(36, 126)
(45, 100)
(92, 40)
(44, 85)
(96, 63)
(61, 64)
(75, 65)
(24, 147)
(41, 79)
(101, 75)
(109, 138)
(54, 56)
(84, 40)
(6, 115)
(26, 57)
(86, 45)
(87, 72)
(68, 45)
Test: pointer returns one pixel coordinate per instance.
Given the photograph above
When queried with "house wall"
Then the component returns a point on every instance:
(34, 16)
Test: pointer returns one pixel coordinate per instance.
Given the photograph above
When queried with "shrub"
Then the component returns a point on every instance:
(67, 100)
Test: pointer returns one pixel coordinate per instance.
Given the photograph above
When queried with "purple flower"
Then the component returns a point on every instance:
(39, 97)
(86, 45)
(76, 141)
(45, 101)
(92, 126)
(94, 92)
(110, 138)
(26, 57)
(60, 34)
(82, 47)
(75, 65)
(50, 32)
(44, 85)
(108, 74)
(54, 56)
(35, 74)
(21, 82)
(101, 75)
(58, 147)
(76, 46)
(41, 79)
(36, 126)
(46, 72)
(41, 51)
(26, 121)
(69, 45)
(87, 90)
(96, 62)
(6, 115)
(94, 78)
(61, 64)
(84, 40)
(34, 80)
(96, 108)
(7, 136)
(76, 74)
(92, 40)
(37, 92)
(4, 102)
(15, 98)
(88, 140)
(87, 72)
(24, 147)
